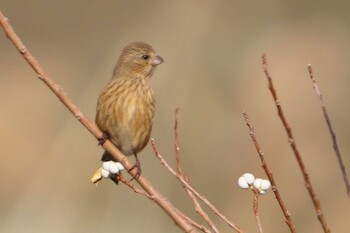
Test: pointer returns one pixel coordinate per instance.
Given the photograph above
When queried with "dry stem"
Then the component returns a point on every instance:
(193, 223)
(256, 209)
(176, 143)
(187, 186)
(199, 209)
(331, 131)
(197, 206)
(58, 91)
(122, 179)
(278, 196)
(297, 154)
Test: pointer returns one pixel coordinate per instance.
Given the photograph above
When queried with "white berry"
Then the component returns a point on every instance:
(262, 192)
(249, 178)
(113, 168)
(242, 183)
(104, 173)
(105, 165)
(265, 185)
(120, 166)
(257, 183)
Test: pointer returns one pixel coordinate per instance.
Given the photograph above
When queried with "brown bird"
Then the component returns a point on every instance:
(126, 106)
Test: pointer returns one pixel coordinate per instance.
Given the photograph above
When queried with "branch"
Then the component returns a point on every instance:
(331, 131)
(58, 91)
(199, 209)
(197, 206)
(122, 179)
(256, 209)
(193, 223)
(176, 143)
(187, 186)
(293, 145)
(278, 196)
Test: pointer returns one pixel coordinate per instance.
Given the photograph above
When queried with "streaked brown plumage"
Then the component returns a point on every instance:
(126, 106)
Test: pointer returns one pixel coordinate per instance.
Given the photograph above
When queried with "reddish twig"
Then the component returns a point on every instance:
(278, 196)
(197, 206)
(256, 209)
(58, 91)
(187, 186)
(199, 209)
(328, 121)
(195, 224)
(176, 143)
(122, 179)
(292, 143)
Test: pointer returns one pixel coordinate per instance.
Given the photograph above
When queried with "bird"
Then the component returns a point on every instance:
(126, 105)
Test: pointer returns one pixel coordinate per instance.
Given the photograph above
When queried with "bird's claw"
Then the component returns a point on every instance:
(138, 173)
(103, 139)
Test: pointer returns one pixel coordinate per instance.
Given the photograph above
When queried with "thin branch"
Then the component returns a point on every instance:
(176, 143)
(278, 196)
(199, 209)
(197, 206)
(195, 224)
(122, 179)
(187, 186)
(58, 91)
(292, 143)
(331, 131)
(256, 209)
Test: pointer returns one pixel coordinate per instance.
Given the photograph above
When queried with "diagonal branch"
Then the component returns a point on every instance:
(195, 224)
(199, 209)
(331, 131)
(122, 179)
(297, 154)
(197, 206)
(189, 187)
(278, 196)
(58, 91)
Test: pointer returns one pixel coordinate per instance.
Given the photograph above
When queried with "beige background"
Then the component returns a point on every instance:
(212, 72)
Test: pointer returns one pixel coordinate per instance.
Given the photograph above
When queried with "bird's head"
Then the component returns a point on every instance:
(138, 59)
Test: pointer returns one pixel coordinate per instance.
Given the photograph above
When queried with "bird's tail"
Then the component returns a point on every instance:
(97, 176)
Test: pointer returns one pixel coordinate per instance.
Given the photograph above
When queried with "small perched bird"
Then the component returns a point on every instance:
(126, 106)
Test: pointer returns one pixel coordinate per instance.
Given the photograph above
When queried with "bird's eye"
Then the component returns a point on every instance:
(145, 57)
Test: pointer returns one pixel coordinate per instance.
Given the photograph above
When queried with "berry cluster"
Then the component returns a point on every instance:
(111, 168)
(248, 180)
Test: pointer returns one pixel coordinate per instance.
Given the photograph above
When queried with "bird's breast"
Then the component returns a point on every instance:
(128, 116)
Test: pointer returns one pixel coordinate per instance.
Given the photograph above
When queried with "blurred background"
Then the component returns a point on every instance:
(212, 73)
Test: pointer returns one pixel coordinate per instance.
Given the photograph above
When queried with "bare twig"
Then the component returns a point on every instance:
(197, 206)
(195, 224)
(292, 143)
(328, 121)
(122, 179)
(199, 209)
(256, 209)
(187, 186)
(278, 196)
(176, 143)
(58, 91)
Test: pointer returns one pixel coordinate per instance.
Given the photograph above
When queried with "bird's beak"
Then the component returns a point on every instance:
(157, 60)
